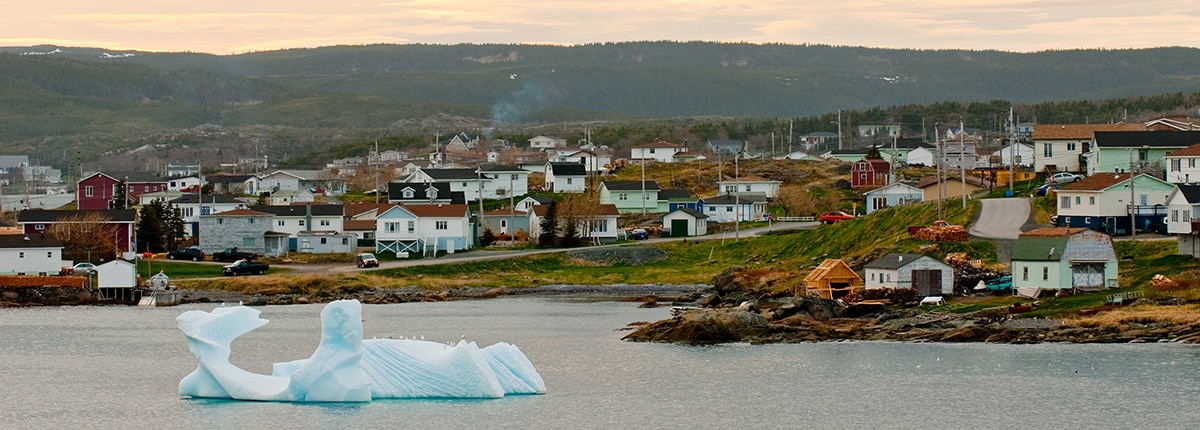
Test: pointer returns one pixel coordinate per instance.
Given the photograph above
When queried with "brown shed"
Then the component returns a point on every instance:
(833, 279)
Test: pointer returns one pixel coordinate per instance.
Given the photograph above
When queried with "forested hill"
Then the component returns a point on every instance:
(63, 98)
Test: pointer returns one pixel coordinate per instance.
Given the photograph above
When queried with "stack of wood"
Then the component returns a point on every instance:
(1162, 282)
(957, 259)
(949, 233)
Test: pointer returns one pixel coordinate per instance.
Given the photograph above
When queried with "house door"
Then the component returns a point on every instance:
(503, 226)
(927, 282)
(1087, 276)
(679, 228)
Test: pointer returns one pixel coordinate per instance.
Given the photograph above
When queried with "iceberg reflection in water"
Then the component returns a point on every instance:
(346, 368)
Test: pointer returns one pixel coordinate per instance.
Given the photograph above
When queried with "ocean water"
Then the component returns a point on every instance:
(118, 367)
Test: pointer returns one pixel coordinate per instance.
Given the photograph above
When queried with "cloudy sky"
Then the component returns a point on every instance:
(237, 26)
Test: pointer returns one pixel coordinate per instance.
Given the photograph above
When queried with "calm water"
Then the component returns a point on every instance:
(117, 367)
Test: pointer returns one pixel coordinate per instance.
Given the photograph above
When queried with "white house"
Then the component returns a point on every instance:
(315, 181)
(593, 162)
(539, 142)
(326, 242)
(598, 227)
(423, 229)
(566, 177)
(470, 182)
(294, 219)
(525, 204)
(922, 156)
(116, 274)
(1181, 204)
(181, 183)
(1182, 166)
(749, 184)
(658, 150)
(192, 206)
(1102, 202)
(1024, 153)
(30, 254)
(728, 208)
(288, 197)
(502, 182)
(925, 274)
(1057, 147)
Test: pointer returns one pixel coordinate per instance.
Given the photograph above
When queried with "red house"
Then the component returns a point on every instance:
(36, 222)
(96, 192)
(869, 174)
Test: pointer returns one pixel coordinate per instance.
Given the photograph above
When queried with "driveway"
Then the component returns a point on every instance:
(1001, 218)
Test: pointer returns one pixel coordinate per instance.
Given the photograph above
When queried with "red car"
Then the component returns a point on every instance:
(832, 217)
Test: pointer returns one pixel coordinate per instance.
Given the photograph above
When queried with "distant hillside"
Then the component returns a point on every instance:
(64, 96)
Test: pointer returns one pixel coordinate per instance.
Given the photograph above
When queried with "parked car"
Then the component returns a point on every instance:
(1063, 178)
(232, 254)
(366, 260)
(832, 217)
(1047, 189)
(245, 267)
(639, 234)
(190, 253)
(87, 268)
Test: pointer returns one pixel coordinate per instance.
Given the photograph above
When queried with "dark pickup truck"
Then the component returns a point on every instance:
(245, 267)
(232, 254)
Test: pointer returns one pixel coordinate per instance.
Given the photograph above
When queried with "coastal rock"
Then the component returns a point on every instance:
(706, 327)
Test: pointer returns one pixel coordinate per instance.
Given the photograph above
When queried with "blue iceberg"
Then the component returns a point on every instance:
(347, 368)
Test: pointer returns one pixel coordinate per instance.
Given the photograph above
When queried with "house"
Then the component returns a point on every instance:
(726, 148)
(116, 274)
(879, 130)
(676, 198)
(433, 193)
(999, 176)
(683, 222)
(99, 190)
(183, 169)
(1058, 147)
(1182, 204)
(31, 254)
(816, 138)
(658, 150)
(1005, 155)
(469, 182)
(630, 196)
(1101, 202)
(799, 156)
(1172, 124)
(925, 274)
(1182, 165)
(1141, 151)
(184, 183)
(233, 184)
(922, 156)
(867, 174)
(1062, 258)
(849, 155)
(504, 182)
(896, 194)
(832, 279)
(165, 196)
(192, 206)
(292, 220)
(538, 143)
(566, 177)
(727, 208)
(121, 222)
(245, 229)
(749, 184)
(593, 162)
(958, 155)
(597, 227)
(505, 221)
(527, 203)
(462, 142)
(326, 242)
(423, 229)
(289, 197)
(314, 181)
(951, 187)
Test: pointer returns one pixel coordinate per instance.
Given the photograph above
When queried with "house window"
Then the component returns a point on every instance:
(432, 193)
(390, 227)
(569, 181)
(1045, 273)
(251, 220)
(248, 242)
(862, 176)
(1175, 164)
(220, 221)
(503, 223)
(599, 226)
(729, 209)
(345, 241)
(1065, 202)
(323, 241)
(622, 196)
(1191, 162)
(889, 277)
(279, 223)
(324, 223)
(1187, 215)
(1024, 273)
(1047, 150)
(49, 254)
(730, 188)
(651, 150)
(1144, 199)
(464, 184)
(441, 225)
(21, 254)
(1092, 200)
(39, 226)
(1143, 154)
(146, 189)
(1077, 199)
(408, 193)
(513, 177)
(1070, 146)
(712, 208)
(412, 226)
(747, 187)
(87, 191)
(1175, 215)
(301, 223)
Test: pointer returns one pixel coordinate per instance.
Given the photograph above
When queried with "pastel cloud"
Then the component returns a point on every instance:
(227, 26)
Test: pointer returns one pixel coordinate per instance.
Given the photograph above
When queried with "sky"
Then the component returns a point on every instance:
(239, 26)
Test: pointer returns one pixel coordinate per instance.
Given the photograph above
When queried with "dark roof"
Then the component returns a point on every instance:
(893, 261)
(1190, 192)
(136, 177)
(568, 169)
(192, 198)
(451, 174)
(694, 213)
(727, 199)
(227, 179)
(630, 185)
(11, 241)
(674, 193)
(396, 190)
(238, 212)
(501, 168)
(47, 216)
(300, 210)
(1155, 139)
(850, 151)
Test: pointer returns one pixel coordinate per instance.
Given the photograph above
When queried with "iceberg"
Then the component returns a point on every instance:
(347, 368)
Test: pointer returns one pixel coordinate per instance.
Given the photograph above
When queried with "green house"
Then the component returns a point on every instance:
(1062, 258)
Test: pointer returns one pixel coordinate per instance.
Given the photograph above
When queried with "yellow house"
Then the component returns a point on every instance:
(833, 279)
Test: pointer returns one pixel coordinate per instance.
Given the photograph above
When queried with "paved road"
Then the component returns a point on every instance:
(1001, 218)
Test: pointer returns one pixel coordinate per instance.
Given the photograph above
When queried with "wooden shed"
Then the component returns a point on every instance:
(832, 279)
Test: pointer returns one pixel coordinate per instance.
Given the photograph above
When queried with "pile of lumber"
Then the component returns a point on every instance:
(1162, 282)
(949, 233)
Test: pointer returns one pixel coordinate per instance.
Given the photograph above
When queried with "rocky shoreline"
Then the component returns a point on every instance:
(649, 293)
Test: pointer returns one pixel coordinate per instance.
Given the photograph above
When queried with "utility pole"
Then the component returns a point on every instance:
(1012, 152)
(737, 201)
(839, 129)
(643, 181)
(1132, 208)
(962, 164)
(376, 160)
(938, 164)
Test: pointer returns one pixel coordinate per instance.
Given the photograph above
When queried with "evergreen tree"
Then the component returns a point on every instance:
(151, 230)
(175, 226)
(570, 235)
(874, 154)
(549, 225)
